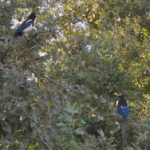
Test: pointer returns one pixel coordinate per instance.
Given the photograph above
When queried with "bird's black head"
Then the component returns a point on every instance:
(32, 16)
(122, 101)
(121, 96)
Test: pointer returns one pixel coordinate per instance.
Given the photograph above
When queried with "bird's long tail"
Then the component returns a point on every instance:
(8, 49)
(124, 131)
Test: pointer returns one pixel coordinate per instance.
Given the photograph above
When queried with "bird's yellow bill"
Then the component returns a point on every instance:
(117, 94)
(37, 15)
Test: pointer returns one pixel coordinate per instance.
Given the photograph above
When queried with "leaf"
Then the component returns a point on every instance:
(79, 131)
(61, 124)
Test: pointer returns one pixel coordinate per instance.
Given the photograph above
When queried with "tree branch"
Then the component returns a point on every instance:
(44, 142)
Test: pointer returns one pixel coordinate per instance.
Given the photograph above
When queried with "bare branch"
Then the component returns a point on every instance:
(47, 107)
(44, 142)
(51, 80)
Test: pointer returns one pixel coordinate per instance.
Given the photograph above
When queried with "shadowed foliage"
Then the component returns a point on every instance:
(57, 83)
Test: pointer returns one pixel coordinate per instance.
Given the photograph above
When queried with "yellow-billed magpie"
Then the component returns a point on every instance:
(25, 27)
(123, 110)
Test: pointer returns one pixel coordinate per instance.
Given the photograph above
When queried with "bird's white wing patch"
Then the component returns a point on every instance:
(127, 104)
(116, 103)
(29, 20)
(29, 28)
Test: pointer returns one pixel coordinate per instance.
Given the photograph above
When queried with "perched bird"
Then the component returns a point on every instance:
(25, 27)
(123, 110)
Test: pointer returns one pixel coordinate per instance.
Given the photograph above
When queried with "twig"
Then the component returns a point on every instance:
(44, 142)
(35, 120)
(115, 130)
(7, 65)
(3, 69)
(51, 80)
(138, 117)
(47, 107)
(35, 73)
(36, 43)
(27, 50)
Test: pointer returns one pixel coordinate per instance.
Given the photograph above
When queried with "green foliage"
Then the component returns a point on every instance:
(57, 83)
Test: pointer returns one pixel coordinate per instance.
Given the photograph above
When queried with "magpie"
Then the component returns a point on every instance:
(123, 110)
(25, 27)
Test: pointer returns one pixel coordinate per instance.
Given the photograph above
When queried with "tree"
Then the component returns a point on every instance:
(57, 83)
